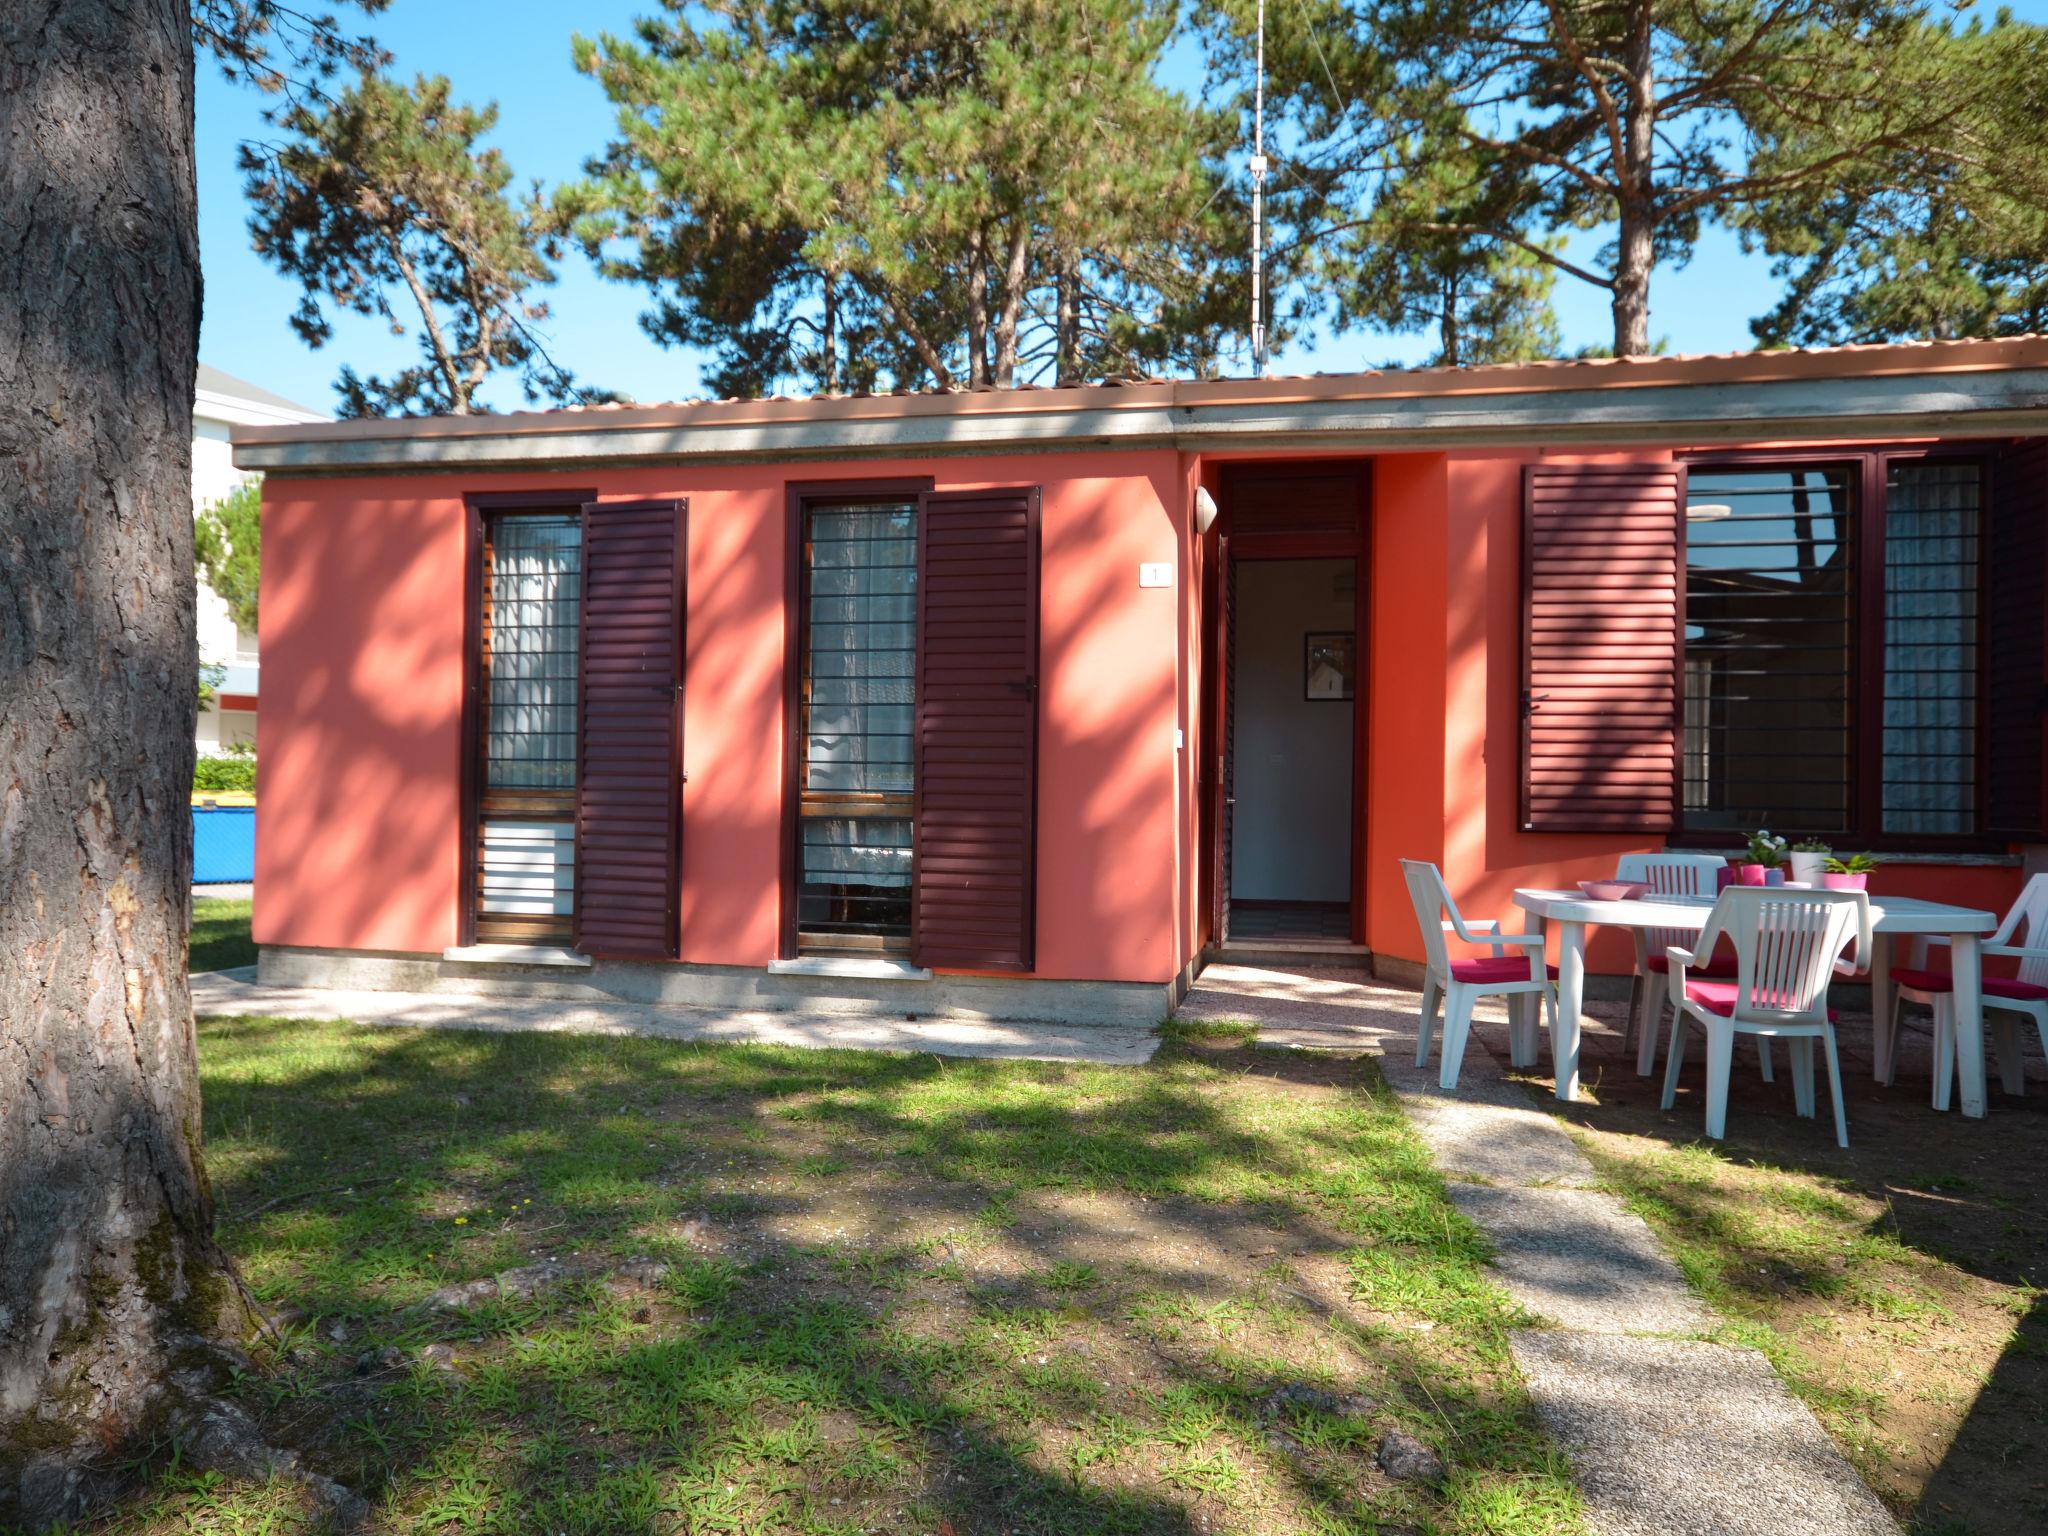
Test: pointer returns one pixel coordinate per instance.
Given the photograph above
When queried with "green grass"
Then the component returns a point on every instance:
(904, 1293)
(220, 934)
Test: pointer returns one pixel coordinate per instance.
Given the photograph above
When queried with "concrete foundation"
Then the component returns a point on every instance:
(736, 988)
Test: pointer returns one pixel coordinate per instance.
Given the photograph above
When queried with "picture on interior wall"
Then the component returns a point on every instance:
(1331, 659)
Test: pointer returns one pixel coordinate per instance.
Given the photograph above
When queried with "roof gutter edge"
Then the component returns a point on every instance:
(2013, 401)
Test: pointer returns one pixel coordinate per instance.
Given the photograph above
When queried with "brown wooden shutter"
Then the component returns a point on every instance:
(2016, 665)
(1603, 595)
(630, 747)
(977, 730)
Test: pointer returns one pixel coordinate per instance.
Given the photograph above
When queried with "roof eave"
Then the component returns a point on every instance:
(2008, 400)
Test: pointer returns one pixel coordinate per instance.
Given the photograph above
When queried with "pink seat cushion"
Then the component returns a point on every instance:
(1720, 965)
(1719, 997)
(1994, 986)
(1499, 968)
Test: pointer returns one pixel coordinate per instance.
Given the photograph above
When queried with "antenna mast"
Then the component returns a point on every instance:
(1258, 168)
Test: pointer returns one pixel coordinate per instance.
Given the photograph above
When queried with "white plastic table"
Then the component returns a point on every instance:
(1571, 913)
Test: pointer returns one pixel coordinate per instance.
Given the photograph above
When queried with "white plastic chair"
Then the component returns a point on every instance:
(1788, 947)
(2023, 934)
(1523, 980)
(1666, 874)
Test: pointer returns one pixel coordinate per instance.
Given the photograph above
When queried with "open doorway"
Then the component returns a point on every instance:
(1293, 673)
(1285, 646)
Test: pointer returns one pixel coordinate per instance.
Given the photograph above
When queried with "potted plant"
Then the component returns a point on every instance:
(1810, 860)
(1764, 863)
(1850, 874)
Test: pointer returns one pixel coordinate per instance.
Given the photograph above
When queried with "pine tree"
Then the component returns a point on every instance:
(383, 195)
(1649, 117)
(861, 194)
(1423, 258)
(1908, 248)
(114, 1294)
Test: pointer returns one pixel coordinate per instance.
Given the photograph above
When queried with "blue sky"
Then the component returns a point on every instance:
(516, 52)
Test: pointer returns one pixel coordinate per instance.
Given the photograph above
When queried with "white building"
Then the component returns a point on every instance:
(221, 401)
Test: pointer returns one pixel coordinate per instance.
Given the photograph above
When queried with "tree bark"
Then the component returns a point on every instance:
(107, 1260)
(1447, 324)
(1066, 322)
(1014, 270)
(977, 311)
(1636, 239)
(829, 340)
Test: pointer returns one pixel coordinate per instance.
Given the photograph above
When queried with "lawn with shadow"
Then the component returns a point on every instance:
(220, 934)
(1896, 1285)
(830, 1292)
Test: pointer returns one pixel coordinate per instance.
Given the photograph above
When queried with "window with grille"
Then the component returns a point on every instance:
(1770, 626)
(1832, 656)
(858, 610)
(529, 660)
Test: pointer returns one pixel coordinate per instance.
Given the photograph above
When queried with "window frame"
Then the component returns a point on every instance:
(800, 497)
(1868, 468)
(473, 744)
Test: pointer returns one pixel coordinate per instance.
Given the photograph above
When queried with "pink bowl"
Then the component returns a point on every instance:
(1612, 890)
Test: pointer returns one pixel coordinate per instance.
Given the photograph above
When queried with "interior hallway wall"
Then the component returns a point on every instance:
(1291, 830)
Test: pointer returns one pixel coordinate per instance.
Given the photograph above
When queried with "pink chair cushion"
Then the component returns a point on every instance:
(1720, 996)
(1994, 986)
(1499, 968)
(1719, 965)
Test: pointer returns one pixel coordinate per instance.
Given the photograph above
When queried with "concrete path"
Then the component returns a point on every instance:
(1668, 1435)
(216, 993)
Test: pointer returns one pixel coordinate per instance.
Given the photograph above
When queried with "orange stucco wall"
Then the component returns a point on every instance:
(1445, 672)
(358, 845)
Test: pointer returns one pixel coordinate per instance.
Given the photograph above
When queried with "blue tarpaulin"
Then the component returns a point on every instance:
(223, 844)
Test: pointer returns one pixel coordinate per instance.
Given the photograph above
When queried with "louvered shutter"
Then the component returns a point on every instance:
(2016, 664)
(630, 740)
(977, 730)
(1603, 592)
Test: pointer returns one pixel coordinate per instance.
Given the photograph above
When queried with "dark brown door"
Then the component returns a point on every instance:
(977, 730)
(1226, 735)
(521, 874)
(629, 829)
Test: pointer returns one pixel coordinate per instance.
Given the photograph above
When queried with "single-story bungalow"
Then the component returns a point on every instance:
(1022, 702)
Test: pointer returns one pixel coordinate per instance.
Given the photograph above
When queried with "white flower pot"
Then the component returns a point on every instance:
(1807, 868)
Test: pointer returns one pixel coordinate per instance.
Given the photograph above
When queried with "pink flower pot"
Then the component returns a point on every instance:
(1750, 874)
(1844, 882)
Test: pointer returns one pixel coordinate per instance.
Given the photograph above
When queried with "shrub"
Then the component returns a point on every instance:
(224, 775)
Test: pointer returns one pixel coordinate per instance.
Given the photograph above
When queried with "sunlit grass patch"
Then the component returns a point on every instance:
(899, 1293)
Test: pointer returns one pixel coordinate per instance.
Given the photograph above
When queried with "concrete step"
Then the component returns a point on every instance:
(1335, 954)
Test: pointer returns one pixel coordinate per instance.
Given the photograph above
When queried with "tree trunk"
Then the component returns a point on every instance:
(1067, 321)
(108, 1266)
(1447, 323)
(977, 312)
(1636, 239)
(1014, 270)
(829, 342)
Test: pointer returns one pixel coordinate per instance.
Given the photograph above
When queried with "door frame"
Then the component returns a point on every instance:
(469, 771)
(798, 497)
(1232, 546)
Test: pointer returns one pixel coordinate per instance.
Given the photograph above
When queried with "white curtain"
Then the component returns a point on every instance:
(536, 600)
(1932, 515)
(863, 649)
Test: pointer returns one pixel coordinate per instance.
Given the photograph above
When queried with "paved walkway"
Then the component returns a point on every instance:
(1668, 1435)
(229, 992)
